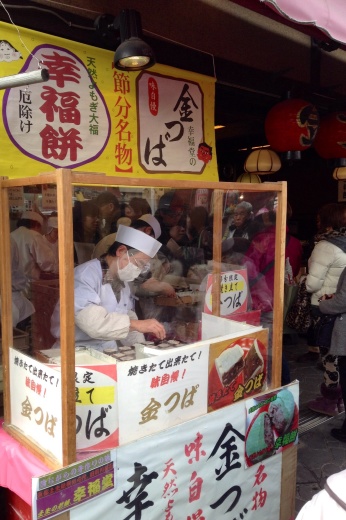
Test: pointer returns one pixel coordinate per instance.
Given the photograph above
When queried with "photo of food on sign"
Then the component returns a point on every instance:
(271, 424)
(237, 369)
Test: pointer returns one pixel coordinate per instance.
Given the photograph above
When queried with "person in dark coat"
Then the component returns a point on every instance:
(337, 305)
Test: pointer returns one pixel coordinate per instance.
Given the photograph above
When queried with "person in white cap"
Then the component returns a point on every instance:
(147, 223)
(103, 304)
(34, 252)
(147, 281)
(52, 235)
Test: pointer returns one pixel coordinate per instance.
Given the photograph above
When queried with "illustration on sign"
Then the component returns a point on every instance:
(272, 424)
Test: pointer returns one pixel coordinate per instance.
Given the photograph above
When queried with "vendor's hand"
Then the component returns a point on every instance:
(174, 248)
(167, 289)
(152, 326)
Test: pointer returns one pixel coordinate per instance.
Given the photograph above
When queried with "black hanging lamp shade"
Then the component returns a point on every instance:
(125, 33)
(133, 53)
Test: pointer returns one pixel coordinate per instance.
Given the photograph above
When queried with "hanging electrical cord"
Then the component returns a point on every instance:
(39, 63)
(49, 11)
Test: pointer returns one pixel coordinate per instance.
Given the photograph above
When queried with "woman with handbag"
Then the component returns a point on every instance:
(325, 265)
(336, 307)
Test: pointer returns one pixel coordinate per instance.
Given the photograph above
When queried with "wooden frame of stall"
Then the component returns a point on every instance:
(64, 180)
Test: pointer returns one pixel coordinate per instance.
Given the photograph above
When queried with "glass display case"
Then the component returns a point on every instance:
(222, 253)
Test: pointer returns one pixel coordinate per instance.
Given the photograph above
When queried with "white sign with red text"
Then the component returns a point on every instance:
(161, 391)
(170, 120)
(193, 471)
(64, 122)
(35, 393)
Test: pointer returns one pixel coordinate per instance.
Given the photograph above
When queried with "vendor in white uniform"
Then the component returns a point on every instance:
(103, 303)
(22, 308)
(34, 252)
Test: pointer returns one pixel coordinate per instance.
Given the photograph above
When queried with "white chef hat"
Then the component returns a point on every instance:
(153, 223)
(52, 223)
(124, 221)
(32, 215)
(138, 240)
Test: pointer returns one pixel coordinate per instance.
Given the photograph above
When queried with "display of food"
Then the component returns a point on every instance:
(185, 297)
(128, 353)
(254, 363)
(281, 411)
(260, 438)
(229, 364)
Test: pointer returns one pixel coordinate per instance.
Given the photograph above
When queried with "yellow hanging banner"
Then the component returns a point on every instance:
(90, 116)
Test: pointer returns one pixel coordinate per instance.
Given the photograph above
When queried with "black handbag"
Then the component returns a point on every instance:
(298, 317)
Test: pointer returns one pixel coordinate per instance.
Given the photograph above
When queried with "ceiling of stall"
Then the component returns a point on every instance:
(256, 56)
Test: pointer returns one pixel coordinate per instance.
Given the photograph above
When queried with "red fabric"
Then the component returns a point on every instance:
(18, 466)
(261, 254)
(294, 252)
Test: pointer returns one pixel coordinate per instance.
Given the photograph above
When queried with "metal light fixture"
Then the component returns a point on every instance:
(24, 78)
(133, 53)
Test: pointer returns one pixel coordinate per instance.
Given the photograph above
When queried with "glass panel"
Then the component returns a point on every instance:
(35, 291)
(205, 237)
(177, 287)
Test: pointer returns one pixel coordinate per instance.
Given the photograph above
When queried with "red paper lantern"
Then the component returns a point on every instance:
(291, 125)
(330, 142)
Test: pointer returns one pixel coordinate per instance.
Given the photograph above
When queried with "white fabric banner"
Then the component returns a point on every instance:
(195, 471)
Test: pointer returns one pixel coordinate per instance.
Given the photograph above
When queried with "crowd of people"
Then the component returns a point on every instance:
(106, 252)
(182, 231)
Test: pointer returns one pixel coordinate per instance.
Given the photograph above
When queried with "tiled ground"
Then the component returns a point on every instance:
(319, 455)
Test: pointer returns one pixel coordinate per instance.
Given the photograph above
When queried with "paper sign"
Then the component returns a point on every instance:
(49, 196)
(36, 401)
(233, 293)
(16, 197)
(96, 398)
(73, 485)
(161, 391)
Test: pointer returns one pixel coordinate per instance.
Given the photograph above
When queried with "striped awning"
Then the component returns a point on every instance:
(327, 15)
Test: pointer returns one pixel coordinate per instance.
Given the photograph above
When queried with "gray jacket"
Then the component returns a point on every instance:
(337, 305)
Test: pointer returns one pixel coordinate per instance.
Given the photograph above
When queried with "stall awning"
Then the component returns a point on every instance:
(327, 15)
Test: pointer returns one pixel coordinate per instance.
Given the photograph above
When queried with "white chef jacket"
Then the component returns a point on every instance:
(21, 307)
(54, 247)
(34, 253)
(100, 319)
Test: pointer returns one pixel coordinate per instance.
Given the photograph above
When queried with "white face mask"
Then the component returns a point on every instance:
(130, 272)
